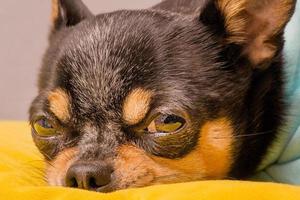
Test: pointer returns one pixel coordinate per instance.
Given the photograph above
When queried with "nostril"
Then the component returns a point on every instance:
(93, 184)
(98, 181)
(72, 183)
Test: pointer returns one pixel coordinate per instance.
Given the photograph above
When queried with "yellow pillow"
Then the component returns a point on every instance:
(21, 177)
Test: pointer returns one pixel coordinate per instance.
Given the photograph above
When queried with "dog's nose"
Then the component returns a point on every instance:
(88, 175)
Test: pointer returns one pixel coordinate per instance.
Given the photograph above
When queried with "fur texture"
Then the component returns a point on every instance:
(196, 63)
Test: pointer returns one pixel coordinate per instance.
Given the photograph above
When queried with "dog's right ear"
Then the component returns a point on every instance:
(255, 25)
(67, 13)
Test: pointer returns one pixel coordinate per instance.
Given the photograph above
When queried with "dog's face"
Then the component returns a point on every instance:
(135, 98)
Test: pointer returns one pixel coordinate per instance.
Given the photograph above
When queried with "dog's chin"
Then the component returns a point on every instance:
(143, 180)
(132, 169)
(113, 186)
(58, 179)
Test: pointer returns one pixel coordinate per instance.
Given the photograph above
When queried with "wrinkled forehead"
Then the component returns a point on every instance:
(105, 58)
(121, 32)
(101, 61)
(134, 107)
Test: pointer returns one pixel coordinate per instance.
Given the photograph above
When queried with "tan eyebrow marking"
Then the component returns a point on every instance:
(136, 105)
(59, 104)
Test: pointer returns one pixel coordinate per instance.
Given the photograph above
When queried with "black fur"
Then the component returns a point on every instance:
(99, 59)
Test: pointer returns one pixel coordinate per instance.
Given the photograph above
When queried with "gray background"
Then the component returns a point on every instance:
(23, 39)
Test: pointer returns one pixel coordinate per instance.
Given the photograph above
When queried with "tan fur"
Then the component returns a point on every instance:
(136, 106)
(211, 159)
(216, 146)
(59, 104)
(235, 19)
(134, 168)
(254, 24)
(56, 170)
(55, 11)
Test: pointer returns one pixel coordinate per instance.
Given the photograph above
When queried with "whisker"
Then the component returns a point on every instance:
(229, 178)
(166, 176)
(30, 173)
(137, 166)
(245, 135)
(177, 177)
(72, 141)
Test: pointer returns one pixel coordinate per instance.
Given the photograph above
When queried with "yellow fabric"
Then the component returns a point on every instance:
(21, 177)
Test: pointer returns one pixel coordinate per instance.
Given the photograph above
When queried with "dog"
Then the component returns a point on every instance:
(186, 90)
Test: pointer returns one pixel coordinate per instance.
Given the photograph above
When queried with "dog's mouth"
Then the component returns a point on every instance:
(115, 181)
(126, 172)
(100, 181)
(130, 170)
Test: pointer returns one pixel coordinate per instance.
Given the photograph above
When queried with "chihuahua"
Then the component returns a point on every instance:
(186, 90)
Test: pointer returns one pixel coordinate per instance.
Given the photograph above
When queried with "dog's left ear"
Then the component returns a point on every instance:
(68, 13)
(256, 25)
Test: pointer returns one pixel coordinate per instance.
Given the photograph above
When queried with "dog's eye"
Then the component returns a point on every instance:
(165, 124)
(44, 127)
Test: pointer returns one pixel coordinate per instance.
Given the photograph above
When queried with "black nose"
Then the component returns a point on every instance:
(88, 175)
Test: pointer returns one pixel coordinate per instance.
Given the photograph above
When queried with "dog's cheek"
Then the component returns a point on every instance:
(216, 146)
(211, 159)
(57, 168)
(135, 168)
(212, 156)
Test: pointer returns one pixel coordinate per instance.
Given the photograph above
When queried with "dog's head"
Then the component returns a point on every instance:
(135, 98)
